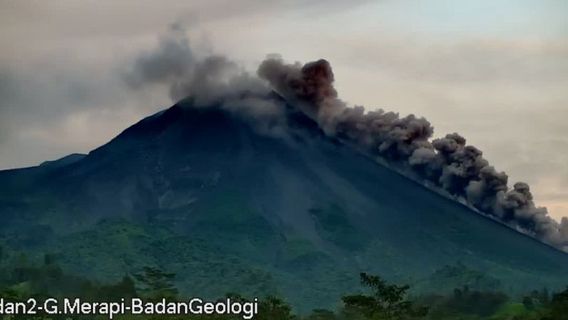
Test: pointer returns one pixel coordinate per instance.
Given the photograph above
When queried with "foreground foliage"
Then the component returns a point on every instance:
(378, 300)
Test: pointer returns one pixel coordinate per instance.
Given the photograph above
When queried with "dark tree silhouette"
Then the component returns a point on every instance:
(156, 284)
(559, 306)
(386, 301)
(273, 308)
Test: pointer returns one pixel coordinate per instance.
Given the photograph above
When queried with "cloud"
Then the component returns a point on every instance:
(49, 94)
(66, 60)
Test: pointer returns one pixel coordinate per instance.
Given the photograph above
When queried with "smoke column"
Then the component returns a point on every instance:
(406, 143)
(448, 162)
(209, 80)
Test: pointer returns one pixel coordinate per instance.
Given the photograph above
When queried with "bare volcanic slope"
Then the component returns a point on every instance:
(233, 207)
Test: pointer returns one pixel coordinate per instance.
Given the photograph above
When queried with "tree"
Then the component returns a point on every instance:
(386, 301)
(272, 308)
(322, 314)
(559, 306)
(156, 284)
(528, 303)
(125, 288)
(480, 303)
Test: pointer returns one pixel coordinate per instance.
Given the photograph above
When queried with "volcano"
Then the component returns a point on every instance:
(202, 193)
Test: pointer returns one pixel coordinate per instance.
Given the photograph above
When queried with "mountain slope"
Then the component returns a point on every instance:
(201, 193)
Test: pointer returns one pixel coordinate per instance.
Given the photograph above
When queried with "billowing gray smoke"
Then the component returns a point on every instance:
(448, 162)
(174, 63)
(210, 80)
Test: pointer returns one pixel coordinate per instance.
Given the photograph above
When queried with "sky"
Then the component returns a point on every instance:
(496, 71)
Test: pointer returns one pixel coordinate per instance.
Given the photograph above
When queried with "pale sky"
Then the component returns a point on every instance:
(495, 71)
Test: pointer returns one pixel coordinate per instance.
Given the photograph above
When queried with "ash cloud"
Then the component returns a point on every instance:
(210, 80)
(175, 64)
(405, 142)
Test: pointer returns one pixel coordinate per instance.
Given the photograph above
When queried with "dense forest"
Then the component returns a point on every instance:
(21, 279)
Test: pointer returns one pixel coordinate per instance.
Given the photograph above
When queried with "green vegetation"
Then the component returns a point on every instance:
(378, 300)
(386, 301)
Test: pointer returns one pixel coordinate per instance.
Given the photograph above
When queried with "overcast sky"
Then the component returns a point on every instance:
(496, 70)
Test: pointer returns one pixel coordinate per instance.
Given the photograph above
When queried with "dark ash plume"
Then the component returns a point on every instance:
(308, 87)
(210, 80)
(175, 64)
(405, 142)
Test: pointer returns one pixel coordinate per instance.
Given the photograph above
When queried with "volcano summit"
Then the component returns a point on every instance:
(207, 193)
(261, 185)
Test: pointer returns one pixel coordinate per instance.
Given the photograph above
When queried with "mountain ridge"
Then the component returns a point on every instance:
(174, 111)
(285, 209)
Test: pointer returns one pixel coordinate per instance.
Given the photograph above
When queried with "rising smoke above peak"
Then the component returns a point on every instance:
(174, 63)
(210, 80)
